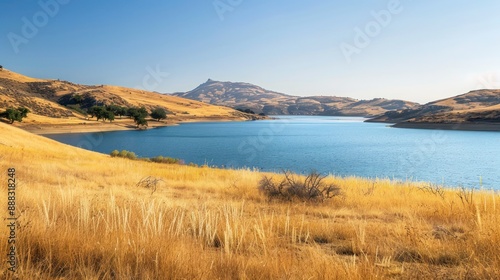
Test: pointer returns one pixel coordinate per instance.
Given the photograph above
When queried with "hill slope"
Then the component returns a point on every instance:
(48, 100)
(479, 109)
(248, 96)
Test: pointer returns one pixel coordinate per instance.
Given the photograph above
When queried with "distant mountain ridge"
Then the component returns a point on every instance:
(249, 96)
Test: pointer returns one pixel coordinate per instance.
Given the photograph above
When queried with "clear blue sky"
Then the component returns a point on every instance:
(426, 51)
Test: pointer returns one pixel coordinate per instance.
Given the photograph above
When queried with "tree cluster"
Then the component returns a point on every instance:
(13, 114)
(108, 112)
(102, 113)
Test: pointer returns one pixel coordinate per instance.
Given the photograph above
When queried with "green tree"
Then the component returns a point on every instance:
(140, 121)
(132, 111)
(114, 108)
(122, 111)
(77, 99)
(139, 115)
(108, 115)
(13, 114)
(159, 114)
(96, 111)
(102, 113)
(24, 112)
(142, 112)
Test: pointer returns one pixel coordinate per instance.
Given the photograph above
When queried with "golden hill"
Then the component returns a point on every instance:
(46, 100)
(82, 215)
(475, 110)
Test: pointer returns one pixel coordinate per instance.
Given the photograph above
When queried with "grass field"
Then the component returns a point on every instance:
(83, 216)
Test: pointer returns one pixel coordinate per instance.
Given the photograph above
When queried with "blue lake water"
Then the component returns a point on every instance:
(344, 146)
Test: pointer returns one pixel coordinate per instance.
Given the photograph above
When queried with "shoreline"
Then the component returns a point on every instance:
(47, 129)
(89, 127)
(449, 126)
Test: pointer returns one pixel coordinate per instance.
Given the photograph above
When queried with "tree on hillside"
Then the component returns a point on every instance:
(131, 112)
(139, 115)
(102, 113)
(15, 114)
(122, 111)
(142, 112)
(113, 108)
(23, 111)
(96, 111)
(159, 114)
(1, 67)
(108, 115)
(140, 121)
(12, 115)
(77, 99)
(135, 111)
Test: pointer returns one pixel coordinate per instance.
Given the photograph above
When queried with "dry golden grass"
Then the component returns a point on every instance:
(6, 74)
(83, 217)
(477, 101)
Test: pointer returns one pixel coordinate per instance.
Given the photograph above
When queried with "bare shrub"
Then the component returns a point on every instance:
(150, 183)
(434, 189)
(466, 196)
(312, 188)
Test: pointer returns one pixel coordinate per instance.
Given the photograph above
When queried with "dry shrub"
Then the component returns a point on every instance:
(150, 183)
(311, 188)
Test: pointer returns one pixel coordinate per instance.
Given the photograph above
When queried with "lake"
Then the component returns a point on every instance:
(342, 146)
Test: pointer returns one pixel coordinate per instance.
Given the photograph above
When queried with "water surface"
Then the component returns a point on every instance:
(342, 146)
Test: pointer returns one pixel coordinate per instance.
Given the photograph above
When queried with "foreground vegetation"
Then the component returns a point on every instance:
(84, 215)
(158, 159)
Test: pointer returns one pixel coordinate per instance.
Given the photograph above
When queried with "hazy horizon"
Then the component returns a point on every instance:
(416, 51)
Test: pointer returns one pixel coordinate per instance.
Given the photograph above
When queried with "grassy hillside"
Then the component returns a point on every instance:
(478, 109)
(248, 96)
(83, 216)
(47, 100)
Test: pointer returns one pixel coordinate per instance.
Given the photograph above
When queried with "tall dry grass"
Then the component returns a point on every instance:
(82, 216)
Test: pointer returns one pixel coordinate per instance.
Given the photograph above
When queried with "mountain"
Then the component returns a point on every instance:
(476, 110)
(55, 101)
(259, 100)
